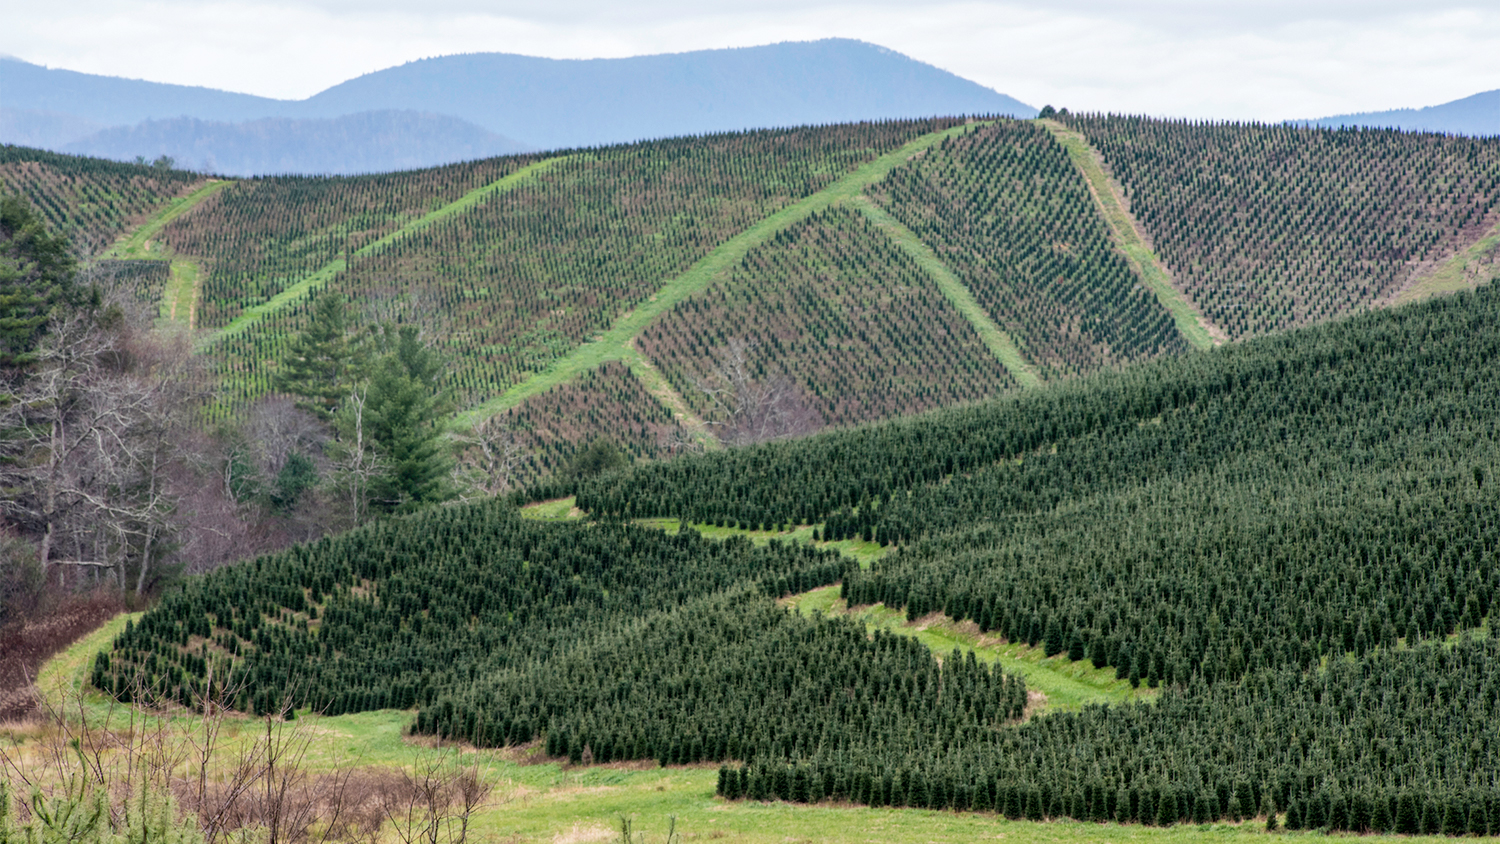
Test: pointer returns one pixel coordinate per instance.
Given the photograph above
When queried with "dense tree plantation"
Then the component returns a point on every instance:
(530, 273)
(834, 307)
(1267, 227)
(1400, 741)
(1294, 538)
(1009, 214)
(90, 201)
(395, 613)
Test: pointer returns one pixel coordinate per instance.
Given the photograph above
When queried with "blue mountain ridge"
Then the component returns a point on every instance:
(530, 102)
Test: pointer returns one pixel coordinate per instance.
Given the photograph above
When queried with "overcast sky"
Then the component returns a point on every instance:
(1260, 59)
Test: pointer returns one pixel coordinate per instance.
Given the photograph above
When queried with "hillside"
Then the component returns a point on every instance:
(1292, 539)
(854, 272)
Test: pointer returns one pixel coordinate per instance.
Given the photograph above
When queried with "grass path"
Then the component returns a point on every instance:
(1127, 234)
(662, 390)
(1067, 685)
(1468, 269)
(179, 301)
(995, 339)
(320, 277)
(615, 342)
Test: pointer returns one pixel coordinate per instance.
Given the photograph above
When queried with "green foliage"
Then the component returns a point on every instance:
(400, 612)
(297, 475)
(1267, 227)
(404, 407)
(1006, 210)
(81, 814)
(602, 455)
(36, 277)
(323, 361)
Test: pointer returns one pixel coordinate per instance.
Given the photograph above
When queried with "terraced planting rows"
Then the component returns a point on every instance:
(836, 308)
(608, 401)
(1005, 209)
(1268, 227)
(89, 200)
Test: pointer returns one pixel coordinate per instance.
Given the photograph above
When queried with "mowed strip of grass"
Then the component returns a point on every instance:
(318, 279)
(1067, 685)
(955, 291)
(612, 344)
(1147, 266)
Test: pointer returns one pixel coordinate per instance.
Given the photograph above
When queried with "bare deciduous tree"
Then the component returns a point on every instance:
(493, 456)
(744, 409)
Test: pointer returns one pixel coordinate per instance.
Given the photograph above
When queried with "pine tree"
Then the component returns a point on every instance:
(36, 277)
(323, 362)
(403, 409)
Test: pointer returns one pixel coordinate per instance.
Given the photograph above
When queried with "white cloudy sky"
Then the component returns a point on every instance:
(1258, 59)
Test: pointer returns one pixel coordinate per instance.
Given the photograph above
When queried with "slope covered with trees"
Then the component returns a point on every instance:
(1007, 211)
(1268, 227)
(1293, 538)
(832, 306)
(88, 200)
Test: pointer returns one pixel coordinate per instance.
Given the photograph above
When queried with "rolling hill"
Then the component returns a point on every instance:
(869, 270)
(1291, 539)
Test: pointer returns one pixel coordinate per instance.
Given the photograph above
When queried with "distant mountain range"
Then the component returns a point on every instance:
(428, 112)
(1476, 115)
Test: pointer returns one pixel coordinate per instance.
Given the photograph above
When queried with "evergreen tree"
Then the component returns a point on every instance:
(36, 276)
(404, 406)
(323, 362)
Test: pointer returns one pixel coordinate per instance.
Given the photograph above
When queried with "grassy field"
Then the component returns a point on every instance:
(1468, 269)
(180, 297)
(1198, 331)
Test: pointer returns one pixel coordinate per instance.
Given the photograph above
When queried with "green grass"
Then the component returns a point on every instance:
(180, 296)
(1454, 274)
(995, 339)
(316, 280)
(179, 301)
(138, 243)
(1127, 235)
(612, 345)
(1068, 686)
(556, 510)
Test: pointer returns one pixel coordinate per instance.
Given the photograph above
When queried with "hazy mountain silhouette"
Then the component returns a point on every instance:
(367, 142)
(538, 103)
(1476, 115)
(568, 102)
